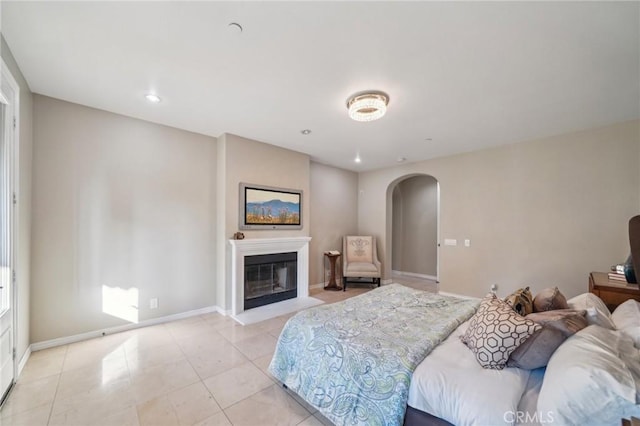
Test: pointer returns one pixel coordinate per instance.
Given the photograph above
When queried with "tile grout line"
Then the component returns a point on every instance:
(55, 394)
(126, 361)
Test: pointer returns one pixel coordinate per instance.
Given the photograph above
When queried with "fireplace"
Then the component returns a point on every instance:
(241, 250)
(270, 278)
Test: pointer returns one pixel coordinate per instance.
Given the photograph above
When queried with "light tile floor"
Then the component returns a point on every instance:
(205, 370)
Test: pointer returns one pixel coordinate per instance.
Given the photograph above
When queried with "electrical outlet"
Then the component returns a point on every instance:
(494, 288)
(467, 243)
(153, 303)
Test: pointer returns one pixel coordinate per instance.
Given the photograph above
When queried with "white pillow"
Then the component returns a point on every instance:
(597, 311)
(451, 385)
(627, 314)
(626, 318)
(592, 379)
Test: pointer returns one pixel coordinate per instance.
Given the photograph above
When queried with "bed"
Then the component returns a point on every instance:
(394, 356)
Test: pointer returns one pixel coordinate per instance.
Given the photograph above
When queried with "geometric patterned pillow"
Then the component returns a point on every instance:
(495, 331)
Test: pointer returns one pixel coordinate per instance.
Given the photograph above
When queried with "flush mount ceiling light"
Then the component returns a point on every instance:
(367, 106)
(154, 99)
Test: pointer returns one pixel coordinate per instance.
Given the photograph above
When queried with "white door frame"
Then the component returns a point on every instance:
(10, 94)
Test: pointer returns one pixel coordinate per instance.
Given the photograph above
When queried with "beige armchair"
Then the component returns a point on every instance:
(360, 260)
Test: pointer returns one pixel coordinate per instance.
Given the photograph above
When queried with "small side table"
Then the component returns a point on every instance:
(333, 257)
(611, 292)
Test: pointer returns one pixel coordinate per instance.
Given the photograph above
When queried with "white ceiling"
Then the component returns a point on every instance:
(467, 75)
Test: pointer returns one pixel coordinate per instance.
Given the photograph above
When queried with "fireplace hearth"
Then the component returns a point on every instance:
(270, 278)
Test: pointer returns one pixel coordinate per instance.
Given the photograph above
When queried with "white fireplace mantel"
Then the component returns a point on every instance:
(256, 246)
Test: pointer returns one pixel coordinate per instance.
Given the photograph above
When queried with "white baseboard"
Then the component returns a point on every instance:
(38, 346)
(23, 361)
(222, 311)
(319, 285)
(415, 275)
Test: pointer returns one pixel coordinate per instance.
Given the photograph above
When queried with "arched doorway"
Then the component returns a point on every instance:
(413, 222)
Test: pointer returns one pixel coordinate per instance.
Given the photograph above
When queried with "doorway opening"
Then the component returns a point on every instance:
(414, 226)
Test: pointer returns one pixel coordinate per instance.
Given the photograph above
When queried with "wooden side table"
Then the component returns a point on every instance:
(611, 292)
(333, 257)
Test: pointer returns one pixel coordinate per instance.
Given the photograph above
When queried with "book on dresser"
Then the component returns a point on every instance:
(614, 276)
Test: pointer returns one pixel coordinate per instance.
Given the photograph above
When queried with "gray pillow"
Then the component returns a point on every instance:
(549, 299)
(567, 321)
(536, 351)
(557, 326)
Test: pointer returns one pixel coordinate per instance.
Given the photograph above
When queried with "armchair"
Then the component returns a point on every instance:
(360, 260)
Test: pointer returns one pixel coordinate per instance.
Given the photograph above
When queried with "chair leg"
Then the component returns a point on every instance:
(378, 279)
(344, 283)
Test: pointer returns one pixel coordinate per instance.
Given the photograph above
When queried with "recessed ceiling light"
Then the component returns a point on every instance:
(401, 159)
(235, 26)
(428, 139)
(305, 131)
(357, 159)
(152, 98)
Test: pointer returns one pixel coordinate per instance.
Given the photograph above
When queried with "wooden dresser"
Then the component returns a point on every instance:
(612, 292)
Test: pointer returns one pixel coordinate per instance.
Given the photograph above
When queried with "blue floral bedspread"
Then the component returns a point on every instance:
(353, 360)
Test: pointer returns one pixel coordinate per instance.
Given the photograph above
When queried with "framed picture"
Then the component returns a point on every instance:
(265, 207)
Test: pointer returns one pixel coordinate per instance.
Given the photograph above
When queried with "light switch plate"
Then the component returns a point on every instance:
(450, 242)
(467, 243)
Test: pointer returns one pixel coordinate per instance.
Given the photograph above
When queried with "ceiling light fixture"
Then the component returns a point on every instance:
(152, 98)
(305, 131)
(367, 106)
(357, 159)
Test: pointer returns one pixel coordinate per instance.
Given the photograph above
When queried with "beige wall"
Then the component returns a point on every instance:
(540, 213)
(245, 160)
(119, 205)
(24, 202)
(222, 256)
(334, 213)
(415, 226)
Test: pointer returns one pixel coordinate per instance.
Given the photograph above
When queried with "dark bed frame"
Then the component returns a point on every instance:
(414, 417)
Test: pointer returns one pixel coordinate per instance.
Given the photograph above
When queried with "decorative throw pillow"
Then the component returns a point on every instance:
(495, 331)
(549, 299)
(536, 351)
(567, 321)
(557, 326)
(521, 301)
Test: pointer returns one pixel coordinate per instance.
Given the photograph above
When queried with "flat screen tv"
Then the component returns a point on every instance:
(265, 207)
